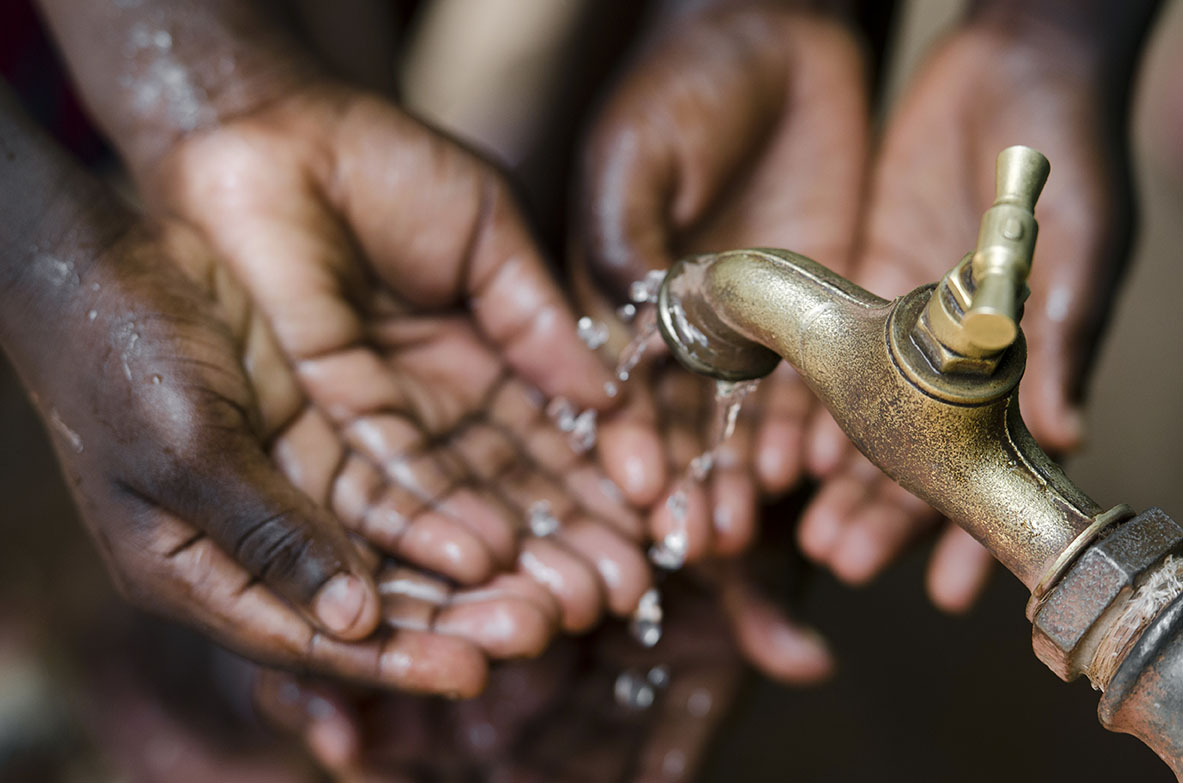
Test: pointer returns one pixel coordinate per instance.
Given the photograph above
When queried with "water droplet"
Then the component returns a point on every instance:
(700, 466)
(93, 314)
(670, 553)
(627, 313)
(541, 520)
(593, 333)
(676, 503)
(562, 413)
(611, 389)
(633, 692)
(635, 351)
(583, 432)
(659, 676)
(645, 624)
(645, 289)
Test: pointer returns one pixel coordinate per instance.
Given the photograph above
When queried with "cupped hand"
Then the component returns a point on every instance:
(985, 89)
(743, 127)
(163, 390)
(593, 709)
(423, 336)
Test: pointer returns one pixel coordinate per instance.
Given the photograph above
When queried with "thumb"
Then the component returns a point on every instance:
(228, 488)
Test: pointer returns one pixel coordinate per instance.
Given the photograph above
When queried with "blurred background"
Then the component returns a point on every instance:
(919, 696)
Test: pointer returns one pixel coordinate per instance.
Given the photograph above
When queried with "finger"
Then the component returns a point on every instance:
(624, 573)
(732, 488)
(314, 713)
(876, 533)
(520, 309)
(827, 446)
(572, 581)
(227, 487)
(669, 139)
(769, 639)
(603, 498)
(784, 405)
(212, 591)
(631, 450)
(830, 510)
(958, 571)
(681, 524)
(484, 257)
(733, 511)
(415, 506)
(504, 626)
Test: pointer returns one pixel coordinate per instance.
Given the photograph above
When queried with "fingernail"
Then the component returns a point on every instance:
(340, 602)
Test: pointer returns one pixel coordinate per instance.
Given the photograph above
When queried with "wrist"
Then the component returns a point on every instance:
(155, 71)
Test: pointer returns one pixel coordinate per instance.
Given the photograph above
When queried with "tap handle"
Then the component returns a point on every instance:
(1006, 242)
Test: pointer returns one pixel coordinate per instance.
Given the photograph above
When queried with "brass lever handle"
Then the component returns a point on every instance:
(1006, 242)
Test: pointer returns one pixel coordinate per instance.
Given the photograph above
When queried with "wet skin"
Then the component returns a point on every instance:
(222, 453)
(424, 336)
(748, 128)
(738, 128)
(554, 718)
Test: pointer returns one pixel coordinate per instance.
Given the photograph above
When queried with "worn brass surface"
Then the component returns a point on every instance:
(956, 441)
(927, 387)
(974, 314)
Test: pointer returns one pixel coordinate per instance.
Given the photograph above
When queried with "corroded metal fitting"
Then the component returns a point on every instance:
(1086, 602)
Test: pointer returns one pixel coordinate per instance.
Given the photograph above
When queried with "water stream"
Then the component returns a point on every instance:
(637, 690)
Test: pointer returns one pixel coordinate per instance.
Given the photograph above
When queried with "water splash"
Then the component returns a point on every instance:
(646, 289)
(541, 519)
(633, 691)
(593, 333)
(670, 552)
(579, 426)
(645, 625)
(635, 351)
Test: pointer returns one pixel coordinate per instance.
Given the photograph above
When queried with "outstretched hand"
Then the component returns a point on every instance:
(985, 89)
(423, 335)
(743, 127)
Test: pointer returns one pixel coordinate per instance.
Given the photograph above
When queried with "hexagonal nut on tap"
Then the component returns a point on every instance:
(1078, 612)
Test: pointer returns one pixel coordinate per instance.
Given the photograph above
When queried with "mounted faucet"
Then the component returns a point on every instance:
(926, 386)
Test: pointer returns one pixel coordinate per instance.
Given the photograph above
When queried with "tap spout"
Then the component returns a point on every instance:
(956, 440)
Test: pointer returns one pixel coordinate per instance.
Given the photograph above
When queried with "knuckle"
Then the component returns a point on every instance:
(279, 550)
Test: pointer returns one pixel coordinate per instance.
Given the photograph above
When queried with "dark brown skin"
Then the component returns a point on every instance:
(703, 148)
(162, 432)
(413, 322)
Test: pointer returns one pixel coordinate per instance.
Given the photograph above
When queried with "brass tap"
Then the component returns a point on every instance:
(926, 386)
(973, 316)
